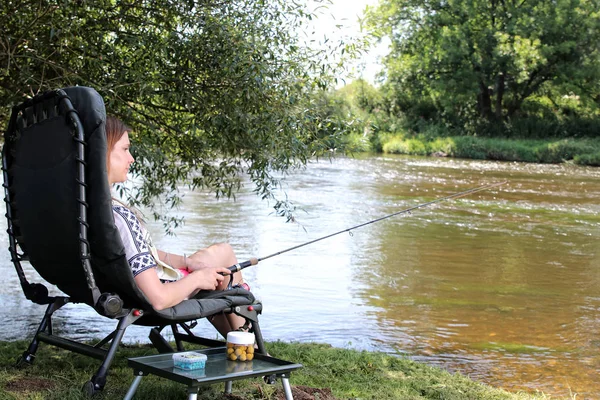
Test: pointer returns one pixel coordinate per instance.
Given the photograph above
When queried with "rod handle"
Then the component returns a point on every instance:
(242, 265)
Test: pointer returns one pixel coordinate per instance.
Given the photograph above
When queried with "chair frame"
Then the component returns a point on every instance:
(110, 305)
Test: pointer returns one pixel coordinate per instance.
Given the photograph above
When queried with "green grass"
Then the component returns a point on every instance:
(58, 374)
(578, 151)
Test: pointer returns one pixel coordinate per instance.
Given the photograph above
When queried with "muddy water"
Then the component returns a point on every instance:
(503, 285)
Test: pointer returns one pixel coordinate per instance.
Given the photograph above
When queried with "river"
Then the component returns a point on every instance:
(503, 285)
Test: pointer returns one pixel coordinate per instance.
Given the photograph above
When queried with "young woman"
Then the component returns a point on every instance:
(166, 279)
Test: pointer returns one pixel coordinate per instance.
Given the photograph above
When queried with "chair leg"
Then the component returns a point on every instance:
(28, 356)
(98, 380)
(177, 337)
(250, 314)
(260, 343)
(159, 342)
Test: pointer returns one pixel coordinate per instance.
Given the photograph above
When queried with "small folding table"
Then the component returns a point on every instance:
(217, 369)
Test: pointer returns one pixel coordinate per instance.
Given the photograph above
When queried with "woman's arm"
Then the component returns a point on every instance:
(174, 260)
(177, 261)
(165, 295)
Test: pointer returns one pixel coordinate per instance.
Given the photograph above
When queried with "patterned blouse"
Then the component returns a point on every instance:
(140, 252)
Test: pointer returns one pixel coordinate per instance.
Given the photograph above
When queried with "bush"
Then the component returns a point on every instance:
(592, 159)
(560, 151)
(442, 146)
(406, 146)
(503, 150)
(357, 142)
(469, 147)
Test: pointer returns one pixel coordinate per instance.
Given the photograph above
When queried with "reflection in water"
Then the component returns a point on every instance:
(503, 285)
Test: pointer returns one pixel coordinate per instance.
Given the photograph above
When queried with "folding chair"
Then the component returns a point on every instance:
(60, 220)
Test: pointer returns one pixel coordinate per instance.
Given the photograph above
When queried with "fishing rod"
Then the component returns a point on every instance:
(256, 260)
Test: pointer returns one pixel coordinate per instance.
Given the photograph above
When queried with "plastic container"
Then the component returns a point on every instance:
(189, 360)
(240, 346)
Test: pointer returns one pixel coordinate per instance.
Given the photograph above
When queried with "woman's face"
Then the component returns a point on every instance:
(120, 159)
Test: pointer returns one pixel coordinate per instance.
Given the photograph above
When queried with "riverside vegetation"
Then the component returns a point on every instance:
(479, 79)
(328, 374)
(528, 139)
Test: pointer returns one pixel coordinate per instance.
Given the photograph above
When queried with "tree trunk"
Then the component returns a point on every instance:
(484, 100)
(499, 94)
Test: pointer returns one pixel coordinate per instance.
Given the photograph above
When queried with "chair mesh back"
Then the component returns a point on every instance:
(44, 199)
(41, 159)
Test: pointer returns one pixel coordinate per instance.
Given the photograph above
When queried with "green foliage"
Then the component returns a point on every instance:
(363, 96)
(464, 60)
(335, 121)
(371, 115)
(580, 151)
(406, 146)
(559, 151)
(591, 159)
(211, 88)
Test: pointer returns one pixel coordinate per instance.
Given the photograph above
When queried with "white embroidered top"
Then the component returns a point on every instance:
(140, 252)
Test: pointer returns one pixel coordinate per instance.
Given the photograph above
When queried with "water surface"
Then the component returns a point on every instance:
(503, 285)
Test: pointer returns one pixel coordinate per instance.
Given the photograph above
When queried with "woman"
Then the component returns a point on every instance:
(166, 279)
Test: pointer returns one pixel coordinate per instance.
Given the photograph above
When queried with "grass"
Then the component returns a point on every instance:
(578, 151)
(349, 374)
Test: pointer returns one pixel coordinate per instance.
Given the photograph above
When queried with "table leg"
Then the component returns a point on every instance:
(133, 387)
(228, 387)
(192, 393)
(287, 389)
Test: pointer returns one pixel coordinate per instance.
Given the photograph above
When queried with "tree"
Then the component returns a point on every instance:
(212, 88)
(485, 58)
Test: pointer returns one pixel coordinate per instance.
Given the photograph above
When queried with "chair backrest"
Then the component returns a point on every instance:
(42, 161)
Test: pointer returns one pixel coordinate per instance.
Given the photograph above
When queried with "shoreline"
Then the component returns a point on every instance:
(579, 151)
(329, 373)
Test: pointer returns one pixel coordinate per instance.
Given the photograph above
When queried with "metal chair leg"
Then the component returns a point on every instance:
(29, 355)
(98, 380)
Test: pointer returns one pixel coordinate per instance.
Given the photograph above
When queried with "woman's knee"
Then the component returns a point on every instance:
(222, 249)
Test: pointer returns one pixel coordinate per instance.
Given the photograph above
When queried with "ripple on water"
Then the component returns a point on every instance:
(502, 286)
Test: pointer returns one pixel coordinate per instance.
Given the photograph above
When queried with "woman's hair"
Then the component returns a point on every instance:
(115, 129)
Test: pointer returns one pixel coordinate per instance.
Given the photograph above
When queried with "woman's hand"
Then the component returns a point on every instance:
(209, 278)
(166, 295)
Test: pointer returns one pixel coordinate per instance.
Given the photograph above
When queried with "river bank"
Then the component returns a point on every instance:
(581, 151)
(328, 373)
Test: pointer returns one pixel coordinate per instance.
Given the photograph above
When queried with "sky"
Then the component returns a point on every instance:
(346, 13)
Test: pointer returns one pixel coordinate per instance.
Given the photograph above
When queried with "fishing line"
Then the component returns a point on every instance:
(256, 260)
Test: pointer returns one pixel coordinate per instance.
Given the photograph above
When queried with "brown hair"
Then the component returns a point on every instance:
(115, 129)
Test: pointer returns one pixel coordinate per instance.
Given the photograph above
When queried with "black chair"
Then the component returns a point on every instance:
(60, 220)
